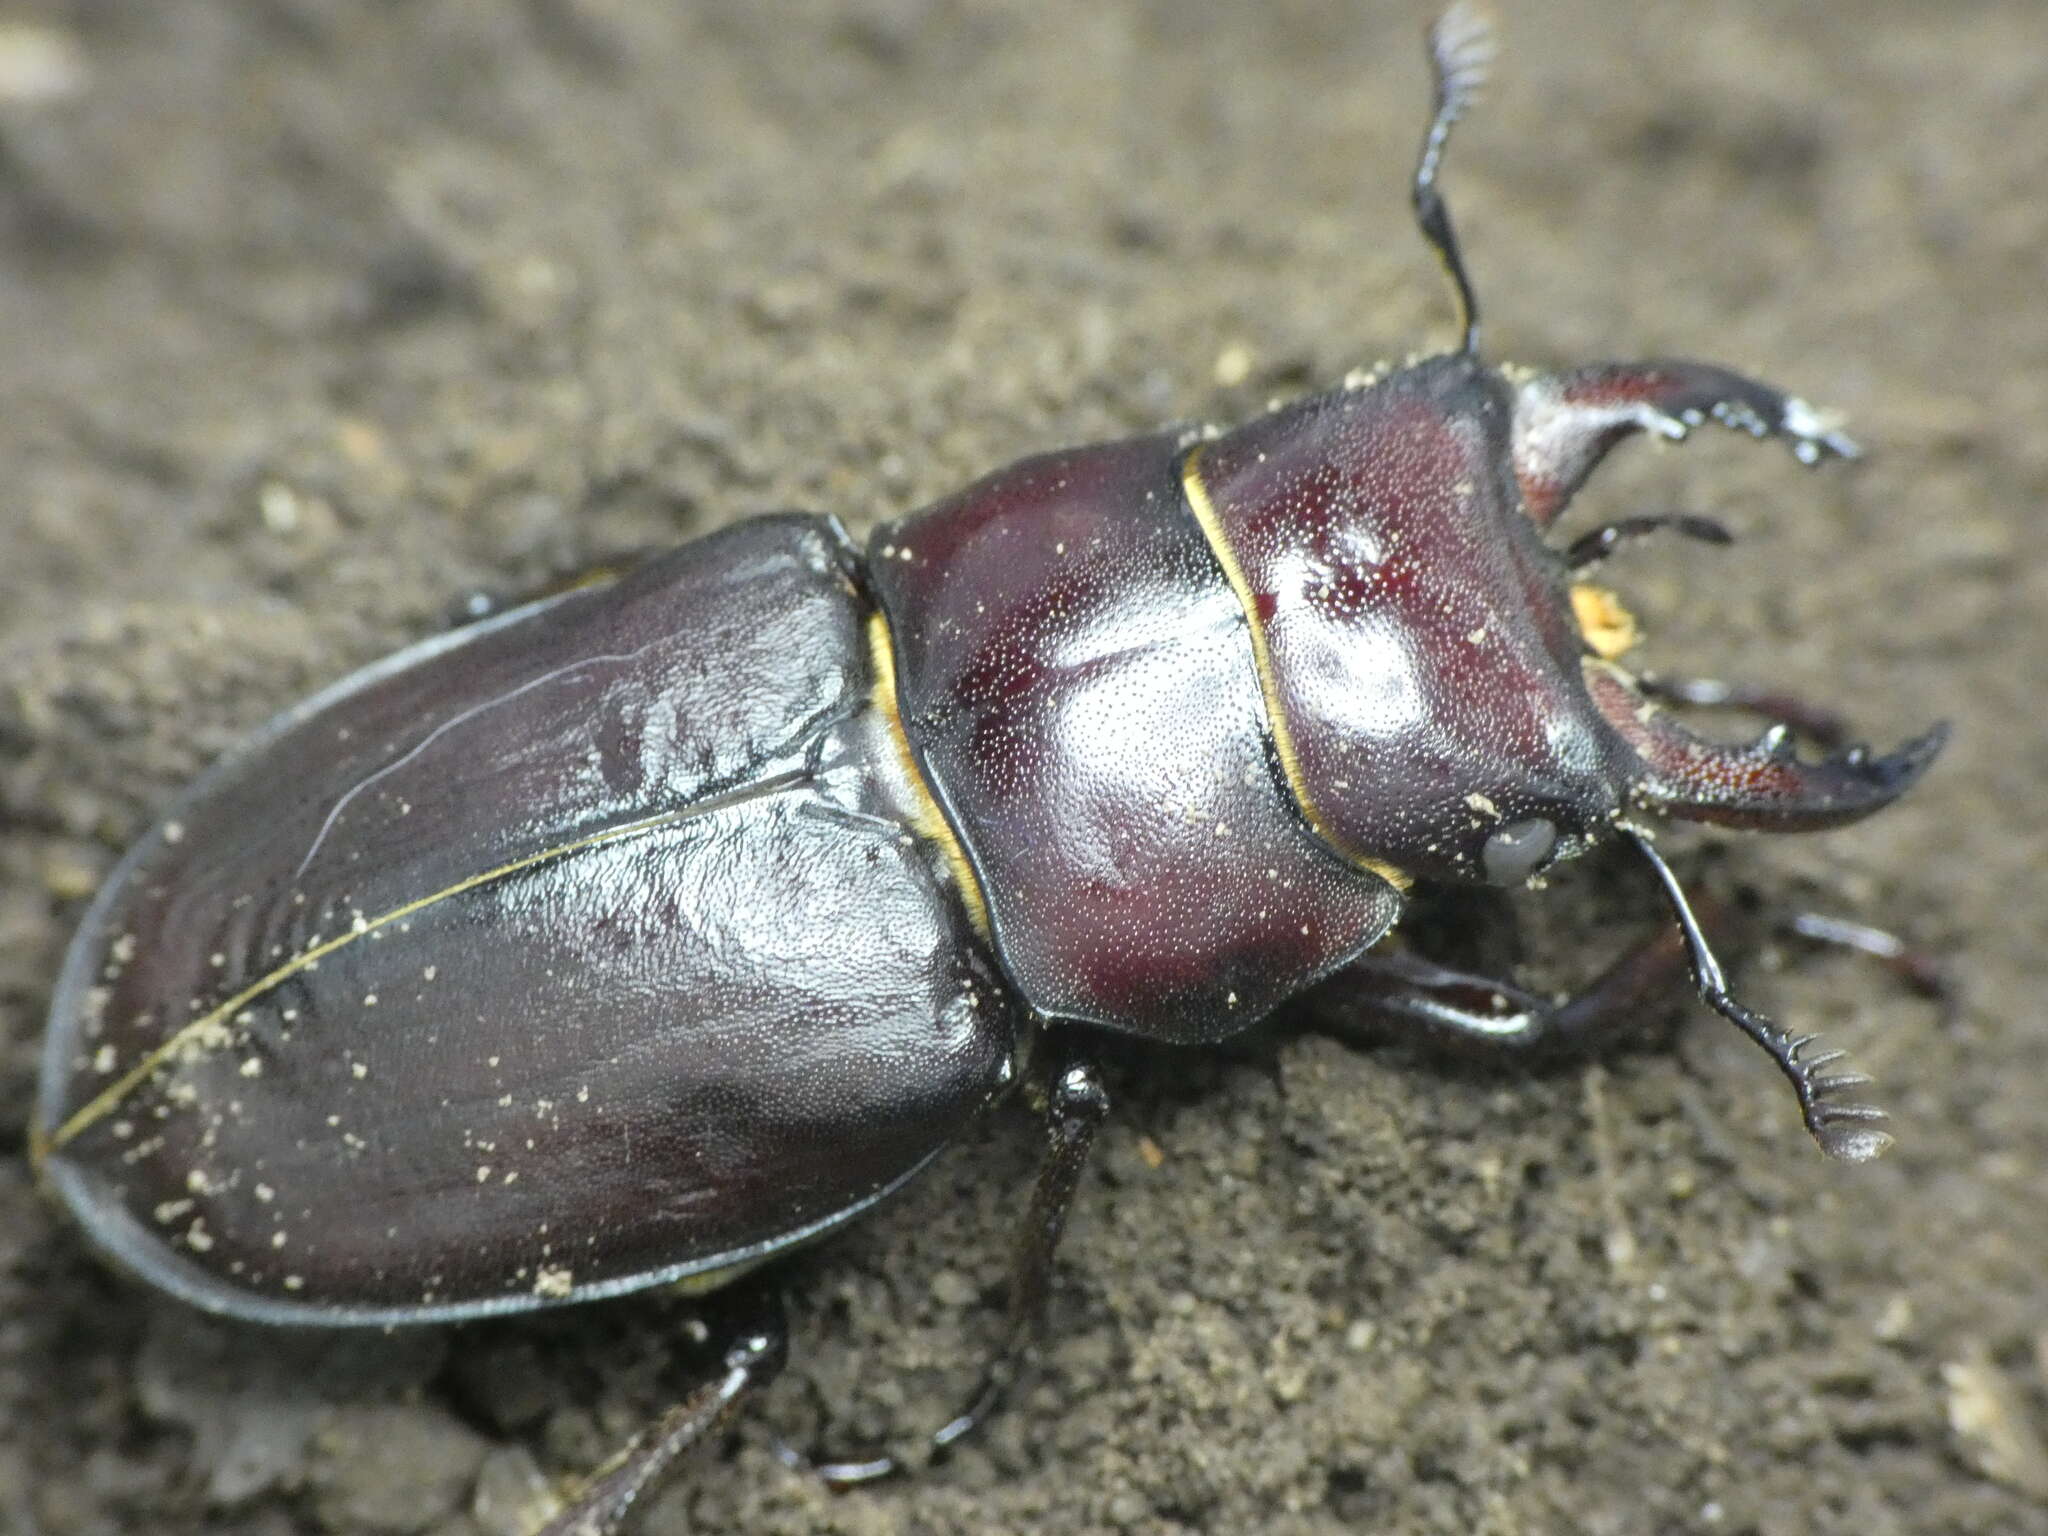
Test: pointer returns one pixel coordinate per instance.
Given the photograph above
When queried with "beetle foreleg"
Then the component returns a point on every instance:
(601, 1505)
(1590, 549)
(1077, 1104)
(1476, 1014)
(1565, 422)
(1845, 1129)
(1921, 971)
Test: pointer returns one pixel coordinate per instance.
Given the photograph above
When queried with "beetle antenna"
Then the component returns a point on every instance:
(1590, 549)
(1461, 47)
(1852, 1132)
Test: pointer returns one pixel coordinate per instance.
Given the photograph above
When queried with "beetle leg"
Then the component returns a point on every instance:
(1077, 1104)
(602, 1503)
(1850, 1131)
(1588, 550)
(1476, 1014)
(1564, 423)
(1921, 971)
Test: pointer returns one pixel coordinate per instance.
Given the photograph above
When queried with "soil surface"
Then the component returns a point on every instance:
(317, 320)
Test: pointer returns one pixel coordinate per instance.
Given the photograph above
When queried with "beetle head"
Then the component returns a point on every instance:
(1444, 699)
(1418, 642)
(1445, 696)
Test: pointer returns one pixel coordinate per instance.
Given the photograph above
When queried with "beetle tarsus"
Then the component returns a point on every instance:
(1849, 1132)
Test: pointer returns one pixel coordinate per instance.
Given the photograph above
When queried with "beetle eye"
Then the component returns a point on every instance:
(1513, 853)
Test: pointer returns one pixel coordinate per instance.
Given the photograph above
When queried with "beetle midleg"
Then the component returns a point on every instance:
(1196, 494)
(753, 1358)
(927, 819)
(1076, 1105)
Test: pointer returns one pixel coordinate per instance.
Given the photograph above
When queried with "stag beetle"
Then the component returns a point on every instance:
(643, 933)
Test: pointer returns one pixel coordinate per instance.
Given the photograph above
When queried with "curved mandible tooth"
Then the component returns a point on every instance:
(1564, 423)
(1764, 786)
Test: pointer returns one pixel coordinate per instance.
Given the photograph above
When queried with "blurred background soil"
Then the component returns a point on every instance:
(317, 318)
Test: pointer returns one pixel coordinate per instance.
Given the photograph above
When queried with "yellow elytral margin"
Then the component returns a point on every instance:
(926, 819)
(1262, 657)
(210, 1029)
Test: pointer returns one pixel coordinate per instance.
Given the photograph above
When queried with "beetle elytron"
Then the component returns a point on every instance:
(645, 932)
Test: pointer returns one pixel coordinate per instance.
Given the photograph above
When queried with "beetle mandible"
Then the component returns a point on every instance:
(645, 932)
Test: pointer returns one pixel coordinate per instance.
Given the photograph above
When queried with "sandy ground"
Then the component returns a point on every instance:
(317, 318)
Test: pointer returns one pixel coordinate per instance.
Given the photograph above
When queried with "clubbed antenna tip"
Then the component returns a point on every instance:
(1461, 50)
(1462, 47)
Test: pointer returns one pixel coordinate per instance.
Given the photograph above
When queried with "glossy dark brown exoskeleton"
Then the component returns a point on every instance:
(644, 933)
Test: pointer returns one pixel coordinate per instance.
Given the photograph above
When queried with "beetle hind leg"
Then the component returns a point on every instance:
(1076, 1105)
(1564, 423)
(604, 1501)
